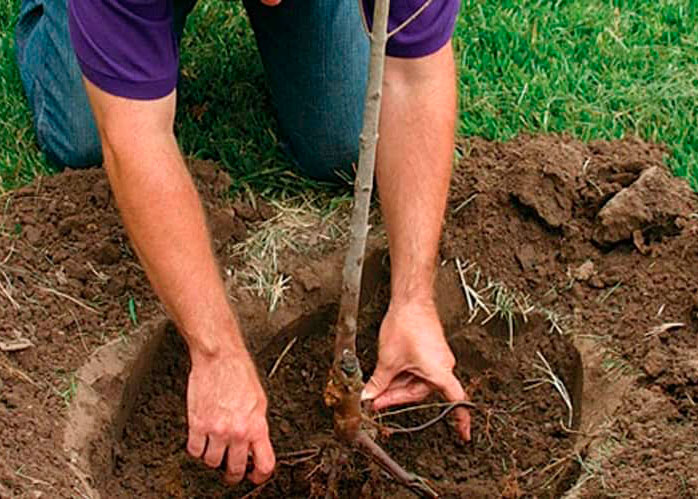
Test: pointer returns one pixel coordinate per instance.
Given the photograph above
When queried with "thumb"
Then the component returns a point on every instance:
(379, 382)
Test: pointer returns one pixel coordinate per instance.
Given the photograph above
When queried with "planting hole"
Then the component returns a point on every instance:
(520, 436)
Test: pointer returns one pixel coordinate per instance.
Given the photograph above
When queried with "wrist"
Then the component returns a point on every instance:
(215, 339)
(423, 299)
(414, 291)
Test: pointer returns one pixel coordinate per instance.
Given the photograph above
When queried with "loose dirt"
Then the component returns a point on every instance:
(598, 238)
(521, 428)
(602, 236)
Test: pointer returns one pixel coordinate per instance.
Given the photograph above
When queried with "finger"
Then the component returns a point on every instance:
(237, 463)
(402, 380)
(214, 452)
(379, 382)
(196, 444)
(264, 461)
(413, 392)
(453, 391)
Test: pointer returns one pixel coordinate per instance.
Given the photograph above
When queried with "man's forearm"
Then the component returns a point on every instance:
(165, 221)
(415, 154)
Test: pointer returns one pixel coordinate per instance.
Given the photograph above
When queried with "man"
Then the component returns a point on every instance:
(316, 57)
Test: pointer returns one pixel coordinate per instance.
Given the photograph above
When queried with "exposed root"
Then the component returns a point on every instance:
(258, 489)
(297, 457)
(276, 365)
(392, 430)
(333, 478)
(421, 407)
(412, 481)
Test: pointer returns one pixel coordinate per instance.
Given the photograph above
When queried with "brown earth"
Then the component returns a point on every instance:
(599, 237)
(522, 426)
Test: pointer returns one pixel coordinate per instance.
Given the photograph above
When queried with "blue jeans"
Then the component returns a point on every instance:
(314, 52)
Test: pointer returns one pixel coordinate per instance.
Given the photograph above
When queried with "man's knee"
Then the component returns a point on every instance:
(330, 155)
(68, 139)
(52, 81)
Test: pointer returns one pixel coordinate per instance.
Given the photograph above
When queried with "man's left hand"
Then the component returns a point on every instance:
(414, 360)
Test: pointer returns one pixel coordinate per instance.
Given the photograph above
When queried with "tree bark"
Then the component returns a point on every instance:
(343, 392)
(363, 186)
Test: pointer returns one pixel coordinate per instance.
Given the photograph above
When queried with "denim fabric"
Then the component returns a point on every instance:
(314, 52)
(52, 81)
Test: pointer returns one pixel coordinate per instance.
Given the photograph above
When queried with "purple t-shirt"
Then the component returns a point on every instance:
(128, 47)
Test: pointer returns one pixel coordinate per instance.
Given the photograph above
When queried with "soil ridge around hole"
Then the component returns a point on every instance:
(619, 269)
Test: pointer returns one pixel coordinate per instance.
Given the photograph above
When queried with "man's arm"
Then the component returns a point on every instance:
(415, 154)
(163, 216)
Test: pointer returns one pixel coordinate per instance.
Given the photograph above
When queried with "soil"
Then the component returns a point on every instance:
(522, 427)
(605, 237)
(69, 284)
(598, 237)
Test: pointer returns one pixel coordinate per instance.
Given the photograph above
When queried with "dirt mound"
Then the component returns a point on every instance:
(69, 284)
(598, 238)
(604, 238)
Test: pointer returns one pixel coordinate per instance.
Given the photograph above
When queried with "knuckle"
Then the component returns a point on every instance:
(238, 433)
(219, 429)
(260, 427)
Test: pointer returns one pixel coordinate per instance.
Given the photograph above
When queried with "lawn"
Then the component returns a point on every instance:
(593, 69)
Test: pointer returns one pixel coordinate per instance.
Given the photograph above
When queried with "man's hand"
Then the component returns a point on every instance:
(414, 360)
(226, 408)
(165, 221)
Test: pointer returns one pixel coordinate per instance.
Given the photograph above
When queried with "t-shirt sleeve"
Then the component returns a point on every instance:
(125, 47)
(426, 34)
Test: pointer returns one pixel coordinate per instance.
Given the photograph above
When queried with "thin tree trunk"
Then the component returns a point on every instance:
(353, 265)
(343, 392)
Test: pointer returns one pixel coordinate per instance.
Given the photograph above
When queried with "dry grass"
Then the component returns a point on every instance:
(549, 377)
(494, 298)
(302, 225)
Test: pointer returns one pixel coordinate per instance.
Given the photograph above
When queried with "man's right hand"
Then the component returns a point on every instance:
(226, 408)
(163, 216)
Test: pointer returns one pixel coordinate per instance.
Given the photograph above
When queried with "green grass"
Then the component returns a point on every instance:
(594, 69)
(20, 158)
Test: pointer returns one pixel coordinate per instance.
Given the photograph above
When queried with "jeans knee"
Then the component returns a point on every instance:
(330, 157)
(73, 143)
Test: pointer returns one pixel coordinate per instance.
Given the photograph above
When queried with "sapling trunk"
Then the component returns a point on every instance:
(363, 186)
(343, 391)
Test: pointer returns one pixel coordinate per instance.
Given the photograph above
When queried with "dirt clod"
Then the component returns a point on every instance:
(651, 204)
